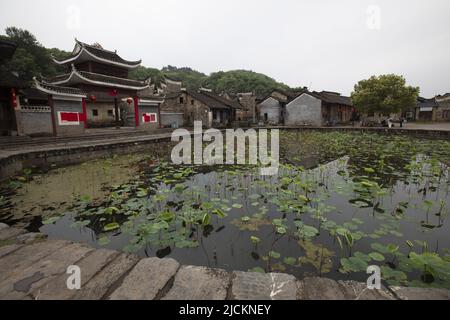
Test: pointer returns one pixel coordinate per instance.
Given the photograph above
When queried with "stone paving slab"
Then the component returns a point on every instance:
(7, 249)
(319, 289)
(22, 283)
(146, 280)
(26, 256)
(354, 290)
(8, 233)
(404, 293)
(97, 287)
(199, 283)
(263, 286)
(89, 266)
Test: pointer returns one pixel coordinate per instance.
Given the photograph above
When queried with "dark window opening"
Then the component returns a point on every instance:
(110, 113)
(181, 100)
(192, 102)
(95, 112)
(446, 114)
(266, 117)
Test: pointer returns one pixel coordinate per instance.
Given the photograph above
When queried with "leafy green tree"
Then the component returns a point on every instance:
(31, 58)
(384, 94)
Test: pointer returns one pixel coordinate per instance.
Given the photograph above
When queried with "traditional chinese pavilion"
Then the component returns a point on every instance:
(103, 76)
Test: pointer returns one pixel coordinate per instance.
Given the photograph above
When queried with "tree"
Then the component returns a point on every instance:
(384, 94)
(31, 58)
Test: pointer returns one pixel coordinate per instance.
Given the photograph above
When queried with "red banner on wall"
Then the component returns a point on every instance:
(148, 117)
(69, 118)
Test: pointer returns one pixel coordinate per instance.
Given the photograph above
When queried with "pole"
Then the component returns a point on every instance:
(116, 109)
(52, 111)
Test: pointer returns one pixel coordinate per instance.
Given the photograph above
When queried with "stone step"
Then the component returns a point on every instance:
(199, 283)
(103, 282)
(89, 266)
(9, 233)
(406, 293)
(20, 284)
(263, 286)
(146, 280)
(17, 261)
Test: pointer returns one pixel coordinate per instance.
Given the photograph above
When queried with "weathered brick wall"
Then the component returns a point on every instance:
(173, 104)
(196, 111)
(248, 100)
(148, 109)
(443, 112)
(304, 110)
(103, 118)
(36, 121)
(68, 106)
(272, 108)
(170, 118)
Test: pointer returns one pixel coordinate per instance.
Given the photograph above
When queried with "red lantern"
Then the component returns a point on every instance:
(92, 98)
(113, 92)
(129, 100)
(14, 98)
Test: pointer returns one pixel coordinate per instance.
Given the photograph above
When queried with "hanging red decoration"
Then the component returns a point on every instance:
(92, 98)
(14, 98)
(129, 100)
(113, 92)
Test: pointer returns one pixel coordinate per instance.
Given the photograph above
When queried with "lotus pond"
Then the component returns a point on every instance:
(340, 202)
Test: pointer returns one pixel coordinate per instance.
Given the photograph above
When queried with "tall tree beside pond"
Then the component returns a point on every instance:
(31, 58)
(384, 94)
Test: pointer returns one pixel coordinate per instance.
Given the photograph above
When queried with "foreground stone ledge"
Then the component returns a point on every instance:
(199, 283)
(99, 286)
(405, 293)
(30, 279)
(354, 290)
(9, 233)
(146, 279)
(263, 286)
(32, 267)
(319, 289)
(89, 266)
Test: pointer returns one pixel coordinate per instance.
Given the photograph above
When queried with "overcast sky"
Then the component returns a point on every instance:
(322, 44)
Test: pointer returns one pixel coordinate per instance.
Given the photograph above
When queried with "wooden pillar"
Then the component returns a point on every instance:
(159, 116)
(14, 104)
(116, 110)
(53, 115)
(136, 111)
(83, 104)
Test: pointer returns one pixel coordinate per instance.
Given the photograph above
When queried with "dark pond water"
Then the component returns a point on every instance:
(340, 202)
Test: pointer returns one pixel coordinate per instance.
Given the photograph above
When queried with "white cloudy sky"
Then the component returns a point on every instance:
(323, 44)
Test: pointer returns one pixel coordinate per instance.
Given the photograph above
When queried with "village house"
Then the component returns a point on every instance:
(318, 109)
(282, 107)
(426, 109)
(202, 105)
(270, 109)
(443, 110)
(248, 112)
